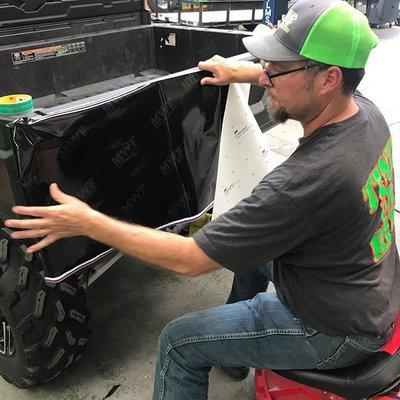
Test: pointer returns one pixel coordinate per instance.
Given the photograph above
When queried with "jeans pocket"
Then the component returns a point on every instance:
(351, 351)
(367, 345)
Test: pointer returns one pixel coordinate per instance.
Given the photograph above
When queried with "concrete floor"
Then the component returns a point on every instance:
(131, 302)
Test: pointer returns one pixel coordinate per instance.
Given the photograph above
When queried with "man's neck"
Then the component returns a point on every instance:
(335, 111)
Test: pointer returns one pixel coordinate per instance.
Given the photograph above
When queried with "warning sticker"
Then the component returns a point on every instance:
(45, 53)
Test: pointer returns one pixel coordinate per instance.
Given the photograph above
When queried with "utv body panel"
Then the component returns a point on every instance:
(121, 122)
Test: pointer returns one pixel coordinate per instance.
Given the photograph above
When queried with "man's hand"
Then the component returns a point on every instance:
(226, 72)
(68, 219)
(222, 70)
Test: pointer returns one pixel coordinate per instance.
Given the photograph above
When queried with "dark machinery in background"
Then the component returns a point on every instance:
(380, 12)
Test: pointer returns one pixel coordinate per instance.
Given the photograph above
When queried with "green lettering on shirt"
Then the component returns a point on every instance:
(378, 191)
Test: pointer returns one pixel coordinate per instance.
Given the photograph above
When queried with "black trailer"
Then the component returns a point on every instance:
(122, 123)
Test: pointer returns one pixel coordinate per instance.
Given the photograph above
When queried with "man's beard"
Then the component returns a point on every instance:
(278, 114)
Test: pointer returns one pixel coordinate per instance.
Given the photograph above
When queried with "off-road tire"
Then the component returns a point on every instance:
(49, 325)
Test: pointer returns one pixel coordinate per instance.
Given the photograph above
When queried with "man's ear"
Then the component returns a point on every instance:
(331, 79)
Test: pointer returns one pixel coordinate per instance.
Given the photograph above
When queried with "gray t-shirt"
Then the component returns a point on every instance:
(326, 218)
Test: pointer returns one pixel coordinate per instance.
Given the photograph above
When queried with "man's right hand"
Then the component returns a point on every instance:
(223, 71)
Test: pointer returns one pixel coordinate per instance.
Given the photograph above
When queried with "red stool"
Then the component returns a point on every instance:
(378, 377)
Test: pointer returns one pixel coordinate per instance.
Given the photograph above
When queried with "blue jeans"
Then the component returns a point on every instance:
(256, 331)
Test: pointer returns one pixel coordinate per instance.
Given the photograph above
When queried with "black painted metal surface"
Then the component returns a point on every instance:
(24, 12)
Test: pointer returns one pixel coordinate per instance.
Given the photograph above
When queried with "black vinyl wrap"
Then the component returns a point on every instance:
(149, 157)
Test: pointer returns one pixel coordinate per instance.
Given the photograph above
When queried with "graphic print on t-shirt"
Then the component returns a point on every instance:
(379, 192)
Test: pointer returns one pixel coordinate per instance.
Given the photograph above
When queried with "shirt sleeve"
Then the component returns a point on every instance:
(260, 228)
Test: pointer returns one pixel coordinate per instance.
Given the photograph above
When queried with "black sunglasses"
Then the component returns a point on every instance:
(272, 76)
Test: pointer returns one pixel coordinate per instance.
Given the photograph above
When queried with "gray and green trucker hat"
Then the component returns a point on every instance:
(328, 31)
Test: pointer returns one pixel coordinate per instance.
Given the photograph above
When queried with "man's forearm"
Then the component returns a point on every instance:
(248, 72)
(162, 249)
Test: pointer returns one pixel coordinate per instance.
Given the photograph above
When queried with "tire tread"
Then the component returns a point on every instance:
(49, 323)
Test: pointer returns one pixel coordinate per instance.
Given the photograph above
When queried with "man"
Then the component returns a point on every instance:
(325, 217)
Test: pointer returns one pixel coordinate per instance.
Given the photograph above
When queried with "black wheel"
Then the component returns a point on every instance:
(43, 330)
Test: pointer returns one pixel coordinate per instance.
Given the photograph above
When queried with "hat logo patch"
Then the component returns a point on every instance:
(291, 16)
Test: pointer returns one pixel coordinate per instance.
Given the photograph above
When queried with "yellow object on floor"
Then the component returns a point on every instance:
(195, 226)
